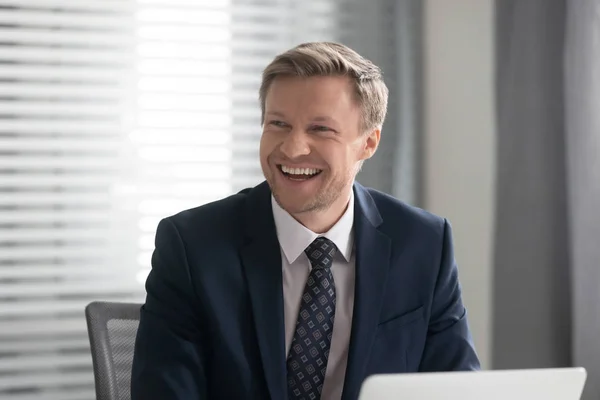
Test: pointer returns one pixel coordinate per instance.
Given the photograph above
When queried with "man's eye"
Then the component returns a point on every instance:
(279, 124)
(321, 128)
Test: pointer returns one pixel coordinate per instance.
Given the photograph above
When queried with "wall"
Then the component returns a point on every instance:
(459, 143)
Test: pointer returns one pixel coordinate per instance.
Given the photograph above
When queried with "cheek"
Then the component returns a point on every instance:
(357, 153)
(268, 142)
(344, 161)
(265, 146)
(335, 158)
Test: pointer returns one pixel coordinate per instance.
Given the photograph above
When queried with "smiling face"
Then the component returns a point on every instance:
(312, 146)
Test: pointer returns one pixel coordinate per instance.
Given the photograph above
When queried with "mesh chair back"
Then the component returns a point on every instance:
(112, 328)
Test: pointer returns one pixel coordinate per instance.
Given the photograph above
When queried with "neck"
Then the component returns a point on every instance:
(321, 221)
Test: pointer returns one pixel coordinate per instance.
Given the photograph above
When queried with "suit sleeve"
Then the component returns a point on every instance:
(449, 345)
(169, 354)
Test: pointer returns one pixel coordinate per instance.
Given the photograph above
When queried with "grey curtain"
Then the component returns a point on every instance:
(547, 235)
(395, 168)
(582, 95)
(532, 296)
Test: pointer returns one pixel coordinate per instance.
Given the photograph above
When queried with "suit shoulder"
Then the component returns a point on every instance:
(397, 214)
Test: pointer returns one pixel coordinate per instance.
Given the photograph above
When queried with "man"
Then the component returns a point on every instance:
(306, 284)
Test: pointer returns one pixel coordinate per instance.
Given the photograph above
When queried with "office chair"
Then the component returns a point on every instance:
(112, 328)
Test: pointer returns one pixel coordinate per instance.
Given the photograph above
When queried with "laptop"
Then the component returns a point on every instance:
(546, 384)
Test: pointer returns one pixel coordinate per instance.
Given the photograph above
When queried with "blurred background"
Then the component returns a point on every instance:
(116, 113)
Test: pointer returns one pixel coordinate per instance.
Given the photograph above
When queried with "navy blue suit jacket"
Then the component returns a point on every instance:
(212, 326)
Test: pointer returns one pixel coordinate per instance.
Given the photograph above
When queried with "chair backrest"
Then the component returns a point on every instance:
(112, 328)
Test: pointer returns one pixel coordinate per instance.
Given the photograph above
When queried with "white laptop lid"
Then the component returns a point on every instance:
(546, 384)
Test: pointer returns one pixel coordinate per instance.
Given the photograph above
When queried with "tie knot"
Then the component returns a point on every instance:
(321, 252)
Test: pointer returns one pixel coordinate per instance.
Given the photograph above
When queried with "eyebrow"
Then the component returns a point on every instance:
(315, 119)
(324, 119)
(275, 114)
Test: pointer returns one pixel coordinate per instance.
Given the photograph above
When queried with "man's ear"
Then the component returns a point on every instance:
(371, 143)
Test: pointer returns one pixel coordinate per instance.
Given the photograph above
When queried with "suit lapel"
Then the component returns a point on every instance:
(261, 258)
(373, 250)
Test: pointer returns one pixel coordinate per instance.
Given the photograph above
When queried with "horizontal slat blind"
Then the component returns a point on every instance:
(184, 114)
(67, 231)
(113, 115)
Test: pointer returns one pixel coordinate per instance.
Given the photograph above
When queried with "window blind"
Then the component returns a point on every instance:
(66, 90)
(113, 115)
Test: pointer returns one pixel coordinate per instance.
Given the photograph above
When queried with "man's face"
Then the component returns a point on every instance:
(312, 143)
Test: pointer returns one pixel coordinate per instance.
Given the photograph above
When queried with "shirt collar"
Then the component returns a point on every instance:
(294, 237)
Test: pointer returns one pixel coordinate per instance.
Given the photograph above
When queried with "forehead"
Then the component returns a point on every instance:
(318, 93)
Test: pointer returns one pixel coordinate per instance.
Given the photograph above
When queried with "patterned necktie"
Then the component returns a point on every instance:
(309, 352)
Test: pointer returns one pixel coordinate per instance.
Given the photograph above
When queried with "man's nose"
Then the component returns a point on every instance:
(295, 144)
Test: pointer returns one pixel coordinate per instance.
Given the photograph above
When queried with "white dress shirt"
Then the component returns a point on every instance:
(294, 238)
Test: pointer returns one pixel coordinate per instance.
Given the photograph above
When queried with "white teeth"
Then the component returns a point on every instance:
(300, 171)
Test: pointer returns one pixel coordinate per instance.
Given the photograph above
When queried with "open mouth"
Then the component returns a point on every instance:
(299, 174)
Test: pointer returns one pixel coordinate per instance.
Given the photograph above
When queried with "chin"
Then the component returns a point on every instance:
(291, 203)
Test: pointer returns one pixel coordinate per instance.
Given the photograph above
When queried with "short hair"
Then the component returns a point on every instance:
(332, 59)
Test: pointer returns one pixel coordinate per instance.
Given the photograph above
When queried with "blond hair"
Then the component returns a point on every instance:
(332, 59)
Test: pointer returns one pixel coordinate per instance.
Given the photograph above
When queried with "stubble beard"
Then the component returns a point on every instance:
(322, 201)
